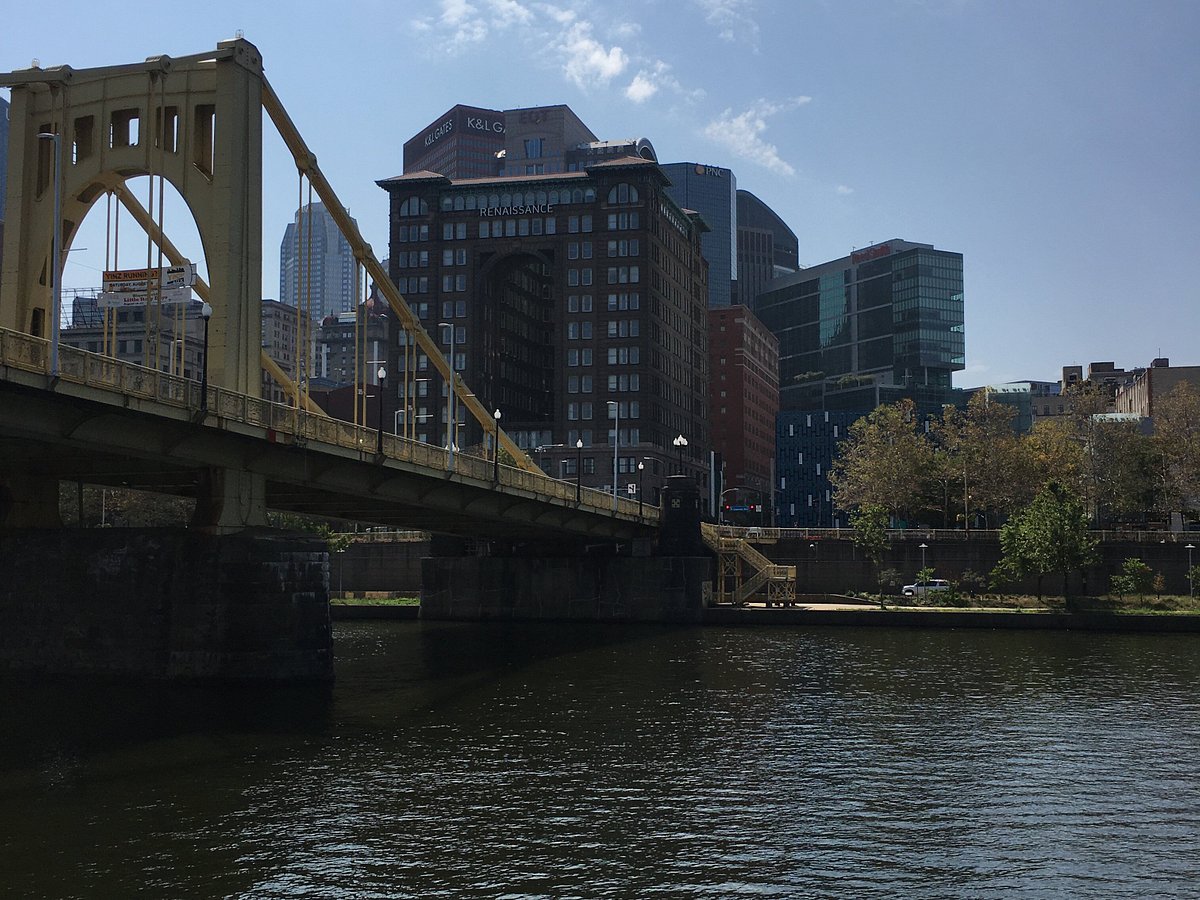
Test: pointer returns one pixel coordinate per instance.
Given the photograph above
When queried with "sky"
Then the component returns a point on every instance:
(1053, 144)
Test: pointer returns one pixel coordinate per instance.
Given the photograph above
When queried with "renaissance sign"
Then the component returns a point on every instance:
(543, 209)
(135, 287)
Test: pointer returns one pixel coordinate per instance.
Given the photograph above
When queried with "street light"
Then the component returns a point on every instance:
(1191, 586)
(382, 373)
(924, 547)
(578, 469)
(205, 314)
(616, 443)
(450, 411)
(641, 469)
(680, 442)
(496, 450)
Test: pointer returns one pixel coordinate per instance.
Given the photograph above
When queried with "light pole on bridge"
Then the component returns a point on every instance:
(382, 373)
(578, 469)
(205, 314)
(496, 450)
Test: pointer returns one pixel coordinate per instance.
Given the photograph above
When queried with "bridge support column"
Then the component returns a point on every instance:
(166, 603)
(229, 500)
(29, 499)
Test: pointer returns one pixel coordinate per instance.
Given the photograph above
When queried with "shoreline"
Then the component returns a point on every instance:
(908, 617)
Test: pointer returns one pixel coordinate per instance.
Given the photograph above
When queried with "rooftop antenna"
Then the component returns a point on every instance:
(240, 34)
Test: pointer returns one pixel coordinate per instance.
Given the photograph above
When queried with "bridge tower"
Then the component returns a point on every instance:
(194, 120)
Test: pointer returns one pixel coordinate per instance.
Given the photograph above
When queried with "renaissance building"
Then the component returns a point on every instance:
(572, 302)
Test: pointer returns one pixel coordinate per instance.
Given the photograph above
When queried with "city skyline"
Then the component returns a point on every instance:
(1050, 146)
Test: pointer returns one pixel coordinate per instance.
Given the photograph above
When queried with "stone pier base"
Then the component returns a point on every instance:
(166, 603)
(600, 589)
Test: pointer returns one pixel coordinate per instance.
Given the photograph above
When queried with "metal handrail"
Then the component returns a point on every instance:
(31, 354)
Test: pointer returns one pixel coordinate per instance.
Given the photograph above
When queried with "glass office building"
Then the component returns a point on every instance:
(883, 323)
(712, 192)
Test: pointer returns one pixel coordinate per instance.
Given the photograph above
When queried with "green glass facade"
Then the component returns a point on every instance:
(884, 323)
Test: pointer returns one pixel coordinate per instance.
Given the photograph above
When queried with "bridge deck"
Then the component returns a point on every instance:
(108, 422)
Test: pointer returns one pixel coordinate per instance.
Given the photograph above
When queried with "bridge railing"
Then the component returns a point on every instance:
(286, 423)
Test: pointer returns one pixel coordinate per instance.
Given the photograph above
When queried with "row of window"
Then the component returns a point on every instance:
(629, 409)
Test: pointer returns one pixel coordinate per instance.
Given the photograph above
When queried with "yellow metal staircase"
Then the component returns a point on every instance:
(744, 572)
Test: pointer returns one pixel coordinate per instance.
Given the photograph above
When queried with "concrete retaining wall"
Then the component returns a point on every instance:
(629, 589)
(166, 603)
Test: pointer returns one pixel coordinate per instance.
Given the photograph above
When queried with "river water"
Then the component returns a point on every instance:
(455, 760)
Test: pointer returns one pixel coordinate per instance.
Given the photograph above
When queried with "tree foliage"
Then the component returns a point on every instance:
(1177, 443)
(1050, 535)
(882, 461)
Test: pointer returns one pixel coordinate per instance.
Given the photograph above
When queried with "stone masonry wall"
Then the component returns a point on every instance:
(166, 603)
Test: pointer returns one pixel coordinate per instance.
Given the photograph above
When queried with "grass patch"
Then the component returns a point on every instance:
(375, 601)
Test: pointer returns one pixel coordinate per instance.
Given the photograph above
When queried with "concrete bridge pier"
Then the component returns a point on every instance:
(29, 497)
(166, 603)
(675, 585)
(229, 500)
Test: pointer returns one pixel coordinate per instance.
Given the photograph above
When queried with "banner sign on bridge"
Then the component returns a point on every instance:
(129, 287)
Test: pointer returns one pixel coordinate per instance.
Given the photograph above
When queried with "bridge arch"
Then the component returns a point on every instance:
(197, 122)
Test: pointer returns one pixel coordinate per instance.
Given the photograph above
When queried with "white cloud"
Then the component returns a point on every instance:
(742, 133)
(641, 88)
(587, 62)
(844, 191)
(649, 81)
(731, 18)
(509, 12)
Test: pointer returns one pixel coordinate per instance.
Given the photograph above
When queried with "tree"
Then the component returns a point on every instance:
(979, 455)
(1177, 444)
(870, 523)
(1136, 578)
(885, 461)
(1050, 535)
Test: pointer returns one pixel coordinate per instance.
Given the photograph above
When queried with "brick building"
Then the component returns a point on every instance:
(575, 303)
(743, 401)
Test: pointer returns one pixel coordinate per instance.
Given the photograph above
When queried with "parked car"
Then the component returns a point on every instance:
(921, 588)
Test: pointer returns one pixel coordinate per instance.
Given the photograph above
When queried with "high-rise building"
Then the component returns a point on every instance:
(3, 154)
(883, 323)
(280, 326)
(316, 265)
(807, 443)
(574, 303)
(3, 167)
(766, 248)
(469, 142)
(537, 140)
(743, 400)
(463, 142)
(712, 192)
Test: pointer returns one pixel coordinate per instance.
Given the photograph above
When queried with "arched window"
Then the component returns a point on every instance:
(623, 193)
(577, 196)
(541, 197)
(458, 202)
(589, 196)
(554, 198)
(414, 206)
(506, 199)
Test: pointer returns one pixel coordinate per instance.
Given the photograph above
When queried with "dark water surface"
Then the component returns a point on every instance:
(563, 761)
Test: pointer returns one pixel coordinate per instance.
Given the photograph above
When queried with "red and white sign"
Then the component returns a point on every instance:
(131, 287)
